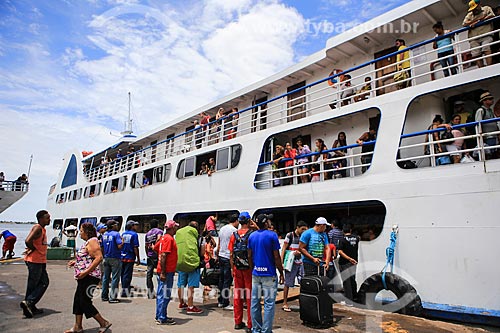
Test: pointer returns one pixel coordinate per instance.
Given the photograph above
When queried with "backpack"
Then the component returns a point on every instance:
(187, 249)
(240, 251)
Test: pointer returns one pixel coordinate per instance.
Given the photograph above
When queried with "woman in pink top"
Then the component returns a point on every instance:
(289, 153)
(454, 147)
(87, 275)
(303, 170)
(210, 226)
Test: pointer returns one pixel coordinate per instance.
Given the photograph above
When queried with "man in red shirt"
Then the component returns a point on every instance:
(167, 262)
(242, 274)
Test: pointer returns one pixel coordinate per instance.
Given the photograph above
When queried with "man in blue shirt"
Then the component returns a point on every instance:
(314, 247)
(112, 243)
(130, 254)
(264, 258)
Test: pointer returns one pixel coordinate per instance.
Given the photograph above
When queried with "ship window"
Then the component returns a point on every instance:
(225, 159)
(159, 174)
(366, 217)
(75, 195)
(92, 220)
(419, 148)
(235, 155)
(92, 191)
(57, 224)
(72, 221)
(222, 218)
(115, 185)
(145, 221)
(346, 160)
(189, 167)
(61, 198)
(117, 218)
(222, 161)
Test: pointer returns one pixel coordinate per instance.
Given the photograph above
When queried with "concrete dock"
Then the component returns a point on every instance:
(137, 314)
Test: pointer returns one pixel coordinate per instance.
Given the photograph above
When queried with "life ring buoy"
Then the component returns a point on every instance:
(408, 302)
(332, 82)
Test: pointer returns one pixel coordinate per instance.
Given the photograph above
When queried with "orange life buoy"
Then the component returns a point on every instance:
(332, 82)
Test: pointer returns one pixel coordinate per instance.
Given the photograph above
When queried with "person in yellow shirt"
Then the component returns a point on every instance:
(403, 65)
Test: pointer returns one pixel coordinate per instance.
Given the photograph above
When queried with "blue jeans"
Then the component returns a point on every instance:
(112, 269)
(127, 271)
(38, 282)
(265, 286)
(225, 281)
(446, 60)
(163, 296)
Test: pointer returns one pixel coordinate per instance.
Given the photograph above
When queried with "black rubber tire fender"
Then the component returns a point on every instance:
(408, 302)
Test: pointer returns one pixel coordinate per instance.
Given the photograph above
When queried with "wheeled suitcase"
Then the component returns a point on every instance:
(316, 304)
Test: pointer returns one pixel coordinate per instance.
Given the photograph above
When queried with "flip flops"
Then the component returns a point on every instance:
(286, 308)
(72, 330)
(105, 328)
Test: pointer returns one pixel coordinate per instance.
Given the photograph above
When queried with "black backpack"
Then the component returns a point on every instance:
(240, 251)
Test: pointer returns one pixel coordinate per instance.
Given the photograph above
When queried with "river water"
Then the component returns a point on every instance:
(21, 231)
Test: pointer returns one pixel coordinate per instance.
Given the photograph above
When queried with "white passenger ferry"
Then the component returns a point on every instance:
(444, 213)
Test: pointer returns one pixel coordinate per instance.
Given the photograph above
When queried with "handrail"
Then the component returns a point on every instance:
(326, 151)
(443, 129)
(14, 186)
(209, 137)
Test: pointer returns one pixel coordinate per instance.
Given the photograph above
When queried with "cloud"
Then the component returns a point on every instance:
(172, 60)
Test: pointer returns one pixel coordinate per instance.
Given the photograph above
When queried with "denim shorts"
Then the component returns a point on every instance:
(191, 279)
(296, 272)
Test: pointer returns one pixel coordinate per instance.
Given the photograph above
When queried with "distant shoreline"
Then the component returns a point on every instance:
(17, 222)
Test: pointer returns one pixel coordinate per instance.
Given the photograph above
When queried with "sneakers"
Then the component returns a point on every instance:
(194, 310)
(220, 305)
(169, 321)
(113, 301)
(228, 308)
(28, 313)
(182, 305)
(240, 326)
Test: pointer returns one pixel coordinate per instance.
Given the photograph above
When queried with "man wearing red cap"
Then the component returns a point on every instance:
(480, 45)
(167, 263)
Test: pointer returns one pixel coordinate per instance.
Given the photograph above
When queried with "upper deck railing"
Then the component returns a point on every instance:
(317, 97)
(14, 186)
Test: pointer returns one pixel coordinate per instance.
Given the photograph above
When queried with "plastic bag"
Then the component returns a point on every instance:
(467, 159)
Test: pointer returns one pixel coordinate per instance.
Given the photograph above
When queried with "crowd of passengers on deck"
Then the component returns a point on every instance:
(302, 162)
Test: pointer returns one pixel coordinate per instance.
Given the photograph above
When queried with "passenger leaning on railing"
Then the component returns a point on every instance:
(302, 169)
(320, 147)
(480, 45)
(437, 122)
(453, 147)
(290, 153)
(278, 164)
(445, 49)
(371, 135)
(2, 179)
(341, 142)
(483, 113)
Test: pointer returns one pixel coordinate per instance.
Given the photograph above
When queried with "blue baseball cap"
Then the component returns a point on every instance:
(244, 216)
(101, 226)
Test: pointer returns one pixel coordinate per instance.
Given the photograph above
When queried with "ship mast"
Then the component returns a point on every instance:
(128, 125)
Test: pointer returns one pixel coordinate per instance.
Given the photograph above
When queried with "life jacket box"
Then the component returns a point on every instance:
(316, 304)
(59, 253)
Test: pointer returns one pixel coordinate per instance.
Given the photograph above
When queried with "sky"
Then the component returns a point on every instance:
(66, 67)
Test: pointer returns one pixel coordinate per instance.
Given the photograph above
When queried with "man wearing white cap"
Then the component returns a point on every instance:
(480, 45)
(314, 247)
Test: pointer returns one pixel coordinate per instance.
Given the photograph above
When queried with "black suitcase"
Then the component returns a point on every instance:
(316, 304)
